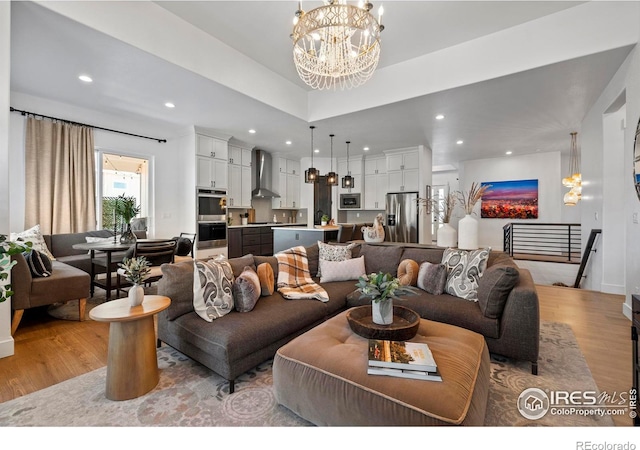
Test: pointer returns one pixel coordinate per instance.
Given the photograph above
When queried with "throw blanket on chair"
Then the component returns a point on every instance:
(294, 279)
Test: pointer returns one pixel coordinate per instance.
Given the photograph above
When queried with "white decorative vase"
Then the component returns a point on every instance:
(136, 295)
(323, 223)
(447, 236)
(382, 312)
(468, 233)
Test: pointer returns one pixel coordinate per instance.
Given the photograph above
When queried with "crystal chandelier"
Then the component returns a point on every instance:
(574, 180)
(336, 44)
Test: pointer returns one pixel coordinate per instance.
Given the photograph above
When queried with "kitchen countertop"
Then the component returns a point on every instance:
(306, 228)
(273, 224)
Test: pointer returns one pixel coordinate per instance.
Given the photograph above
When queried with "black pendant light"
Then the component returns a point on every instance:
(347, 180)
(311, 174)
(332, 177)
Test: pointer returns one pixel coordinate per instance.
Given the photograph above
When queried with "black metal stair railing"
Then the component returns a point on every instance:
(553, 242)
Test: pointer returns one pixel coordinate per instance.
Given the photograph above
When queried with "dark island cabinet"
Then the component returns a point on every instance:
(253, 240)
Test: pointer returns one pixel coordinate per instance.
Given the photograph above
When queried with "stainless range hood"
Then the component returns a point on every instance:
(261, 162)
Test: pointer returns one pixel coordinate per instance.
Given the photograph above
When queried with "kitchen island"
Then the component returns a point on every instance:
(284, 238)
(253, 238)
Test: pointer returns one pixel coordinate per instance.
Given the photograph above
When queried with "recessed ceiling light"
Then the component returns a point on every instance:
(169, 105)
(440, 117)
(316, 150)
(509, 152)
(85, 78)
(252, 131)
(288, 142)
(459, 142)
(366, 149)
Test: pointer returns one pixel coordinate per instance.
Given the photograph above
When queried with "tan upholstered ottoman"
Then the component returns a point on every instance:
(322, 377)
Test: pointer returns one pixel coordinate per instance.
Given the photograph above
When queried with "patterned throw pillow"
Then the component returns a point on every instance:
(33, 235)
(39, 263)
(329, 252)
(432, 278)
(464, 269)
(349, 269)
(246, 290)
(212, 289)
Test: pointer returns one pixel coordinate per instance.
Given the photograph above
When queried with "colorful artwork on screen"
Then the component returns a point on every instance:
(516, 199)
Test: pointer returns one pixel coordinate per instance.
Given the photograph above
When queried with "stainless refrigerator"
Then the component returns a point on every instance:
(402, 217)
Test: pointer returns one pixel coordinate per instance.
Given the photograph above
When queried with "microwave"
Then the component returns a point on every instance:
(212, 205)
(350, 201)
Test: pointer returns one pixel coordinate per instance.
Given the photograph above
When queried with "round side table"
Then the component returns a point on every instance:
(132, 361)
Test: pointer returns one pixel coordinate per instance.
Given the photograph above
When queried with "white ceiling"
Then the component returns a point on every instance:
(528, 111)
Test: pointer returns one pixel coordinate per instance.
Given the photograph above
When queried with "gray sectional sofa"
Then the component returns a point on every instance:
(238, 341)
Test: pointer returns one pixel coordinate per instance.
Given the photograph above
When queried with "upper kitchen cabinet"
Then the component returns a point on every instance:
(355, 170)
(212, 155)
(239, 189)
(239, 156)
(403, 170)
(286, 180)
(284, 165)
(212, 147)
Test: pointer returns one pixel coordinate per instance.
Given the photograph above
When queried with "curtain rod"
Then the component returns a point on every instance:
(27, 113)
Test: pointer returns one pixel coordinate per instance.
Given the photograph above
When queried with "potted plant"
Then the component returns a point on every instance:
(8, 248)
(382, 288)
(135, 270)
(125, 207)
(324, 219)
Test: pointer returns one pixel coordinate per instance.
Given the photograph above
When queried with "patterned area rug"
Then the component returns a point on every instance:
(189, 394)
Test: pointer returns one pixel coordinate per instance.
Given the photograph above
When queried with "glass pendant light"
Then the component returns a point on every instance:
(311, 174)
(347, 180)
(332, 177)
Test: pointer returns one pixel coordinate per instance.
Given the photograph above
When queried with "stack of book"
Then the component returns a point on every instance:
(402, 359)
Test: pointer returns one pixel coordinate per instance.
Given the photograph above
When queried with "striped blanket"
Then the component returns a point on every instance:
(294, 279)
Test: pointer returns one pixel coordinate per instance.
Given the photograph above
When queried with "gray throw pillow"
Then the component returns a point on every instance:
(464, 269)
(238, 264)
(246, 290)
(432, 278)
(177, 284)
(494, 288)
(381, 258)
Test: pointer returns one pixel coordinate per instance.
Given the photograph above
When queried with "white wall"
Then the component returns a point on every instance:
(545, 167)
(172, 164)
(626, 81)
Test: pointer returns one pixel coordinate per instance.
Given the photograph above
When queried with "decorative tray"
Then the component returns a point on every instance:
(404, 327)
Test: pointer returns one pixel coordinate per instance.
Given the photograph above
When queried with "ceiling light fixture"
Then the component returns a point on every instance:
(288, 142)
(336, 44)
(169, 105)
(440, 117)
(85, 78)
(460, 142)
(366, 149)
(508, 152)
(347, 180)
(252, 131)
(311, 174)
(332, 177)
(574, 180)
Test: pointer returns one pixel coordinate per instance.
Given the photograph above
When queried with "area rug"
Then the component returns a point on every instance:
(190, 395)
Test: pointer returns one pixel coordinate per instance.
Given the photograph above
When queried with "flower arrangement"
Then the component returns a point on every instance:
(469, 198)
(8, 248)
(136, 270)
(381, 286)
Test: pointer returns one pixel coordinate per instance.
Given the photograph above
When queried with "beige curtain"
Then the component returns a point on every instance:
(60, 177)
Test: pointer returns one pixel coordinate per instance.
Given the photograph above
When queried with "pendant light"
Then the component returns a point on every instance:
(332, 177)
(347, 180)
(311, 174)
(574, 179)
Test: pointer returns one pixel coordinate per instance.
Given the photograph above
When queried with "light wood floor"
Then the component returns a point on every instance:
(49, 351)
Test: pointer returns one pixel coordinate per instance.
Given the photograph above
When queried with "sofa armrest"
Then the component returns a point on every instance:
(21, 279)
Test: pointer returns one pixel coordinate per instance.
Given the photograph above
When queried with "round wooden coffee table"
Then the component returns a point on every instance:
(132, 362)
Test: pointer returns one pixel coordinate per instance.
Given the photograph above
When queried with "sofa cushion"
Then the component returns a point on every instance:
(432, 278)
(212, 289)
(246, 290)
(408, 272)
(349, 269)
(381, 258)
(33, 235)
(177, 284)
(338, 292)
(238, 264)
(464, 269)
(313, 258)
(331, 252)
(420, 255)
(39, 263)
(494, 287)
(266, 278)
(62, 244)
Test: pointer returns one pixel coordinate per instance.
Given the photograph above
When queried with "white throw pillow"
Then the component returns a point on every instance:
(349, 269)
(464, 269)
(212, 289)
(33, 235)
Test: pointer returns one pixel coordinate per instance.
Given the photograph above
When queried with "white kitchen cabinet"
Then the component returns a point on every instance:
(212, 173)
(239, 156)
(286, 179)
(375, 165)
(355, 170)
(403, 171)
(375, 191)
(211, 147)
(239, 192)
(293, 167)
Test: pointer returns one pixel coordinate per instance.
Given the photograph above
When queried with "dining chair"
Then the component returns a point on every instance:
(157, 252)
(192, 238)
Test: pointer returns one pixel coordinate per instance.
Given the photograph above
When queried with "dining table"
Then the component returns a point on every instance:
(108, 248)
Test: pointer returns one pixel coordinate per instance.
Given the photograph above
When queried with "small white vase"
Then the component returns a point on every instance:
(468, 233)
(382, 312)
(136, 295)
(447, 236)
(323, 223)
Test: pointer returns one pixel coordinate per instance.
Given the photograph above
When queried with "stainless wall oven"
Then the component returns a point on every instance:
(212, 221)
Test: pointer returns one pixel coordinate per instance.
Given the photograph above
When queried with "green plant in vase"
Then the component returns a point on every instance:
(136, 271)
(125, 208)
(382, 288)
